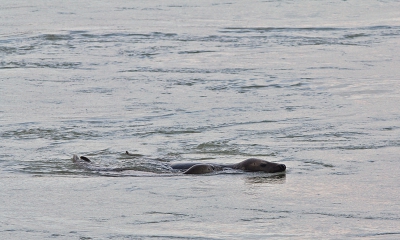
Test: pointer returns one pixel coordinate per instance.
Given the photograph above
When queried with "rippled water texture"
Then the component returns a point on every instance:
(313, 85)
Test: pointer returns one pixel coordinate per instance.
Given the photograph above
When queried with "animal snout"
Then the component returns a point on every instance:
(282, 167)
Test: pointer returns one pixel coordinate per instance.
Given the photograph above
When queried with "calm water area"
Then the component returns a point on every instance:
(311, 84)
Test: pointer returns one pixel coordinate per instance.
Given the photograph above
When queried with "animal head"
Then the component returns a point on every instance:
(258, 165)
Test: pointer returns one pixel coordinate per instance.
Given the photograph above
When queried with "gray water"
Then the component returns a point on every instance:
(311, 84)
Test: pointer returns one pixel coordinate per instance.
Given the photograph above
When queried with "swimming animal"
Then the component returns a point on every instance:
(200, 169)
(249, 165)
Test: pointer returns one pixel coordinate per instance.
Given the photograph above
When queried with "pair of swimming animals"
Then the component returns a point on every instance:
(248, 165)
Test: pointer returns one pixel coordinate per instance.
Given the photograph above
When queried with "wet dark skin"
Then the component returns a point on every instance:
(250, 165)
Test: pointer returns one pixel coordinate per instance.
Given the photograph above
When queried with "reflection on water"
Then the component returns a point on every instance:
(276, 178)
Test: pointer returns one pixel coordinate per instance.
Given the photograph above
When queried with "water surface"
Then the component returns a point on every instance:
(313, 85)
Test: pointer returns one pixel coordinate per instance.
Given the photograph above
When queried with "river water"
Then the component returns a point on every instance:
(311, 84)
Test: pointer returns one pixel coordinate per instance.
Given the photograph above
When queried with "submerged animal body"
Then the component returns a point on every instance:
(249, 165)
(200, 169)
(86, 163)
